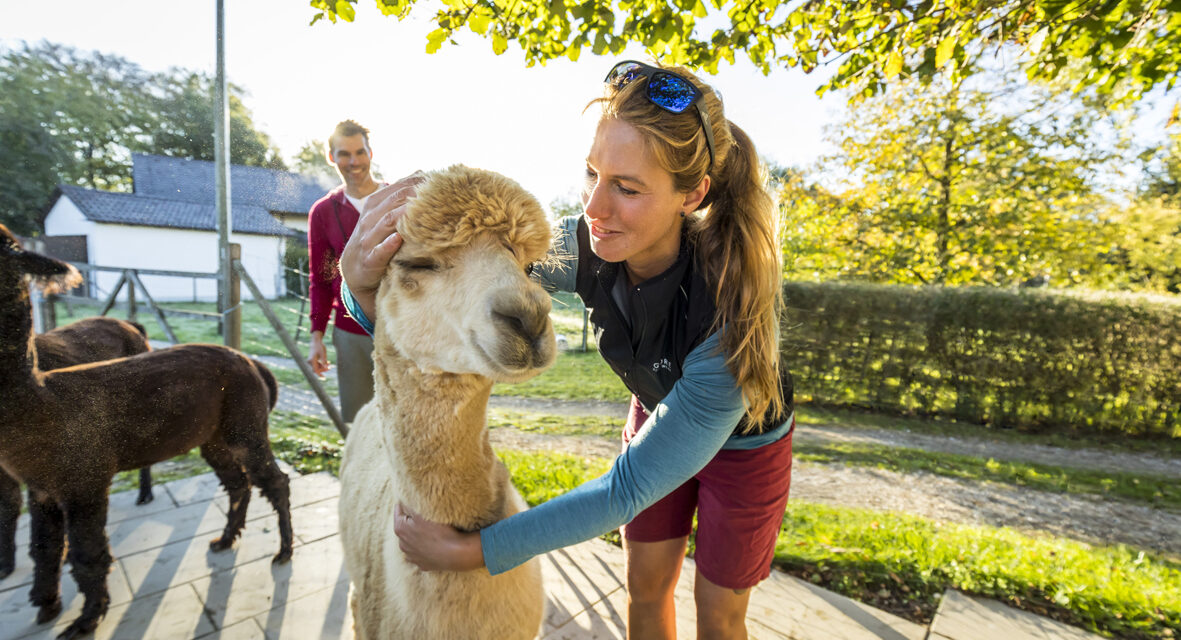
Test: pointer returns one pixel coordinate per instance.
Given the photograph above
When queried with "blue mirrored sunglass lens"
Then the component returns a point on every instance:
(624, 73)
(671, 92)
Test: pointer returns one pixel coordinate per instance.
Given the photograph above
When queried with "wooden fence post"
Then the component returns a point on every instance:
(233, 315)
(130, 296)
(44, 315)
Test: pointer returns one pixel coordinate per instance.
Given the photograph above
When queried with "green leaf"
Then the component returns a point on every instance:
(434, 40)
(893, 64)
(499, 43)
(600, 44)
(479, 23)
(344, 9)
(944, 51)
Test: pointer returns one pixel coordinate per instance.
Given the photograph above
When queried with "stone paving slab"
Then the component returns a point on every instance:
(964, 617)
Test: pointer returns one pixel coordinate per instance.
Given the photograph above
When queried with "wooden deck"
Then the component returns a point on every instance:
(166, 584)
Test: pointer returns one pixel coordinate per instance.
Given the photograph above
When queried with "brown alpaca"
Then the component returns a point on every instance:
(456, 312)
(87, 340)
(66, 433)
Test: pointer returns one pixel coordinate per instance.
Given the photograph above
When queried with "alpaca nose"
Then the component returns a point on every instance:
(525, 315)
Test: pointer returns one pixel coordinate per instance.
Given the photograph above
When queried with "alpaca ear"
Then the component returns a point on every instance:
(52, 275)
(38, 265)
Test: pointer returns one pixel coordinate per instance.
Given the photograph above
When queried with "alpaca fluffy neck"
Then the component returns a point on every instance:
(435, 431)
(18, 359)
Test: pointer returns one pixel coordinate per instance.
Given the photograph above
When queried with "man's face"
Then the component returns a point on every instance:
(351, 156)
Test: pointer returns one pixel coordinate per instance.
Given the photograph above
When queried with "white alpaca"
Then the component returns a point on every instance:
(455, 312)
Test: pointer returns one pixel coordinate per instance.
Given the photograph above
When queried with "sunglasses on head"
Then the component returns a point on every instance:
(666, 90)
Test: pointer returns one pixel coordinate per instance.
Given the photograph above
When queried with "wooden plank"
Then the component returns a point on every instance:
(82, 266)
(293, 349)
(155, 309)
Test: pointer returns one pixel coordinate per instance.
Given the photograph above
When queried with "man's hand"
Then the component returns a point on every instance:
(318, 354)
(375, 240)
(431, 546)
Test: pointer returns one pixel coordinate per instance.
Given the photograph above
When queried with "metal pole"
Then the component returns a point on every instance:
(221, 164)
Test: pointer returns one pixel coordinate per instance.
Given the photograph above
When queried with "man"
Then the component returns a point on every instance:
(330, 223)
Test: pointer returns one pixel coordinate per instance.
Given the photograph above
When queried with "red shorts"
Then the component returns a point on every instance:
(739, 497)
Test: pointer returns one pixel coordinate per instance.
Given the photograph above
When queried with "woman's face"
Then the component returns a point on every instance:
(632, 208)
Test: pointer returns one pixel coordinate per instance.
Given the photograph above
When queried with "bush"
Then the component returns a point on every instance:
(295, 266)
(1104, 363)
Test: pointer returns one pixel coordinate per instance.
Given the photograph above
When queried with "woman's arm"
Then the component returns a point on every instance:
(681, 436)
(375, 241)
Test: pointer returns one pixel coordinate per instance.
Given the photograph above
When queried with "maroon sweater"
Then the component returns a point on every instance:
(330, 223)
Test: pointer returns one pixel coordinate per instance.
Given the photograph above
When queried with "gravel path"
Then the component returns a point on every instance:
(1090, 519)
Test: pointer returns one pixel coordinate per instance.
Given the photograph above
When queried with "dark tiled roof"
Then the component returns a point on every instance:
(192, 181)
(137, 209)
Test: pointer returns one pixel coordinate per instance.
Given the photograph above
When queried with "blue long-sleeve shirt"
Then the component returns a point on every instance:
(684, 432)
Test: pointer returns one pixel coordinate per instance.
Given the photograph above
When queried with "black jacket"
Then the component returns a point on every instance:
(670, 315)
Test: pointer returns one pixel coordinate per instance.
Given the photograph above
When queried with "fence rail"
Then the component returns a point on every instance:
(229, 320)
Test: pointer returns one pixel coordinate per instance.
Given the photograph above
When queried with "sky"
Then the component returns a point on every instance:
(463, 104)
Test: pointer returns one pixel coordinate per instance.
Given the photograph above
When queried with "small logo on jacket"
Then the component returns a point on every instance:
(663, 363)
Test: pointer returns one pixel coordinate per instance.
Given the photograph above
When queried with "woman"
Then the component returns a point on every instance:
(677, 259)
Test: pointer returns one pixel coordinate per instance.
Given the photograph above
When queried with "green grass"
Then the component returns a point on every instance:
(902, 563)
(574, 376)
(547, 424)
(188, 465)
(294, 377)
(258, 337)
(540, 476)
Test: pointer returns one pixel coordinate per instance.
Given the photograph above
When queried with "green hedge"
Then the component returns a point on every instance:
(1029, 359)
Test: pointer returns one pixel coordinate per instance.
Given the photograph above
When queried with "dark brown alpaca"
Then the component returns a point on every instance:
(87, 340)
(66, 433)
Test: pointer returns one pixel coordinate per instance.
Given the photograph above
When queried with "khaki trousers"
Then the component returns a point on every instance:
(354, 371)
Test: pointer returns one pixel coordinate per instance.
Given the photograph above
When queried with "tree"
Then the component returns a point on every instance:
(563, 206)
(992, 183)
(66, 117)
(70, 117)
(311, 161)
(1163, 171)
(1146, 245)
(1146, 234)
(1136, 43)
(185, 123)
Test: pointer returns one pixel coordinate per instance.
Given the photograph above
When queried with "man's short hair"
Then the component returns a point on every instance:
(345, 129)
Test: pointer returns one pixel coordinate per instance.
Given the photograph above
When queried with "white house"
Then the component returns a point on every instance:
(168, 224)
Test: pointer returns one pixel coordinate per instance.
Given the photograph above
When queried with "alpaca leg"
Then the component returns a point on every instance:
(47, 543)
(145, 486)
(90, 561)
(10, 510)
(264, 473)
(236, 484)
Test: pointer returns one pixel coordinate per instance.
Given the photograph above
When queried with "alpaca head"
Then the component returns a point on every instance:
(457, 297)
(16, 265)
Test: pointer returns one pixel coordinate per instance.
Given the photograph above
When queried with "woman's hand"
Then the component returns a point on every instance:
(431, 546)
(375, 240)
